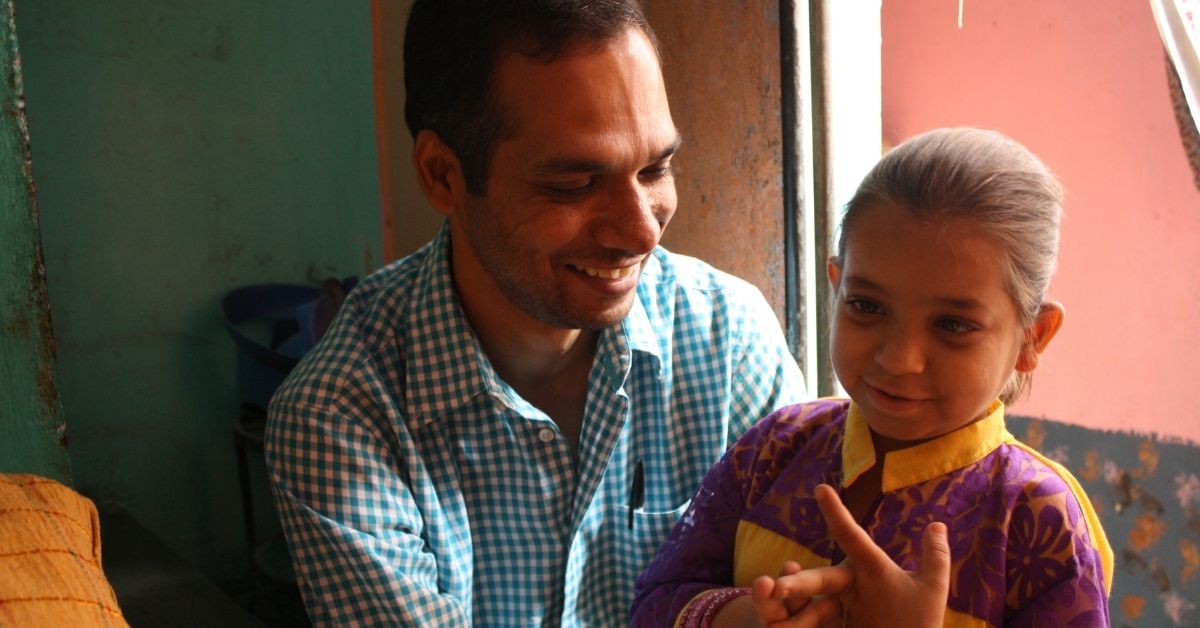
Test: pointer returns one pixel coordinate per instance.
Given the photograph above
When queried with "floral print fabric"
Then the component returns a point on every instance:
(1022, 543)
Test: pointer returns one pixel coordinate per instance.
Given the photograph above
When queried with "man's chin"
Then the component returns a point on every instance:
(596, 320)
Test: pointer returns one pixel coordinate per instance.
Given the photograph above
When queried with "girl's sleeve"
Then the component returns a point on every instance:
(698, 554)
(1077, 602)
(1057, 572)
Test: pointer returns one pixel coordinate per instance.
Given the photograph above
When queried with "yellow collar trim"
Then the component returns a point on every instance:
(926, 461)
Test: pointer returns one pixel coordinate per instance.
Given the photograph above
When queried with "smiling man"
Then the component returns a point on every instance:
(464, 444)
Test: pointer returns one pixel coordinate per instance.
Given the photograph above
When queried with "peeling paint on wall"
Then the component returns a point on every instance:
(32, 429)
(725, 101)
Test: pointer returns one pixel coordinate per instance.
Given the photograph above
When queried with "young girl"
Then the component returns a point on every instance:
(940, 316)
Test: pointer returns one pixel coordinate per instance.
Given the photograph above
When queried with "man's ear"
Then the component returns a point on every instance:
(1039, 335)
(439, 172)
(834, 272)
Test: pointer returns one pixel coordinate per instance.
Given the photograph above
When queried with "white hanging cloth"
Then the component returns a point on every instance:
(1179, 24)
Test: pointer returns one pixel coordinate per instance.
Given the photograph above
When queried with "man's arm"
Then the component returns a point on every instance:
(356, 535)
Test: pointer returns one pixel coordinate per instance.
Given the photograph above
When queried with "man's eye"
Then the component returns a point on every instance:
(568, 192)
(657, 172)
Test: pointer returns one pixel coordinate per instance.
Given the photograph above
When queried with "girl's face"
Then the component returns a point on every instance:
(925, 334)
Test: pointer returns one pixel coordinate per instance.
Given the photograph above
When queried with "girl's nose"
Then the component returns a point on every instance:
(901, 352)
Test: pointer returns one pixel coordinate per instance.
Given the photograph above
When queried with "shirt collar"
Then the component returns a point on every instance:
(926, 461)
(635, 336)
(445, 366)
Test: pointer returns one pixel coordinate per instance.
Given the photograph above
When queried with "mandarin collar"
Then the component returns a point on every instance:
(920, 463)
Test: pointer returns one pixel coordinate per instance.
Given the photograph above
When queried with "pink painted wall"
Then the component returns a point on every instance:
(1084, 85)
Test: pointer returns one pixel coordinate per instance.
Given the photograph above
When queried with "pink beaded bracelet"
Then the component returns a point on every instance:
(700, 612)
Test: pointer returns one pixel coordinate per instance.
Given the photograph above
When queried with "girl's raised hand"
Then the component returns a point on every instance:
(866, 589)
(883, 594)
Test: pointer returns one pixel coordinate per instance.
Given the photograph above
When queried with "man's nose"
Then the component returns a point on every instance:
(633, 218)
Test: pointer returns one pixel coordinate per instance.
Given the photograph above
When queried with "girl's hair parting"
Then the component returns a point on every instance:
(987, 178)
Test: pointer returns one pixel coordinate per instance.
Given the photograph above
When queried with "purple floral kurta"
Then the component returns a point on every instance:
(1026, 546)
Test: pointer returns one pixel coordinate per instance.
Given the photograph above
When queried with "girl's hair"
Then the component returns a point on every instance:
(989, 179)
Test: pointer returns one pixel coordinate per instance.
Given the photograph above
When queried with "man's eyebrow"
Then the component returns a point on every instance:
(571, 165)
(671, 149)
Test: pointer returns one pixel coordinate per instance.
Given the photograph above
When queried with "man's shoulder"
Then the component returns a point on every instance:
(363, 342)
(676, 284)
(694, 307)
(683, 272)
(391, 285)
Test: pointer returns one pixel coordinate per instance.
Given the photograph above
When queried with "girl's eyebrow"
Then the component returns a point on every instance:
(962, 304)
(861, 283)
(967, 304)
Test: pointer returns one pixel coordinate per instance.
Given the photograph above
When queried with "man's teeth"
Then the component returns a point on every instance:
(609, 273)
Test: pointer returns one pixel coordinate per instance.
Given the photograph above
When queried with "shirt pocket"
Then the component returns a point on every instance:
(650, 529)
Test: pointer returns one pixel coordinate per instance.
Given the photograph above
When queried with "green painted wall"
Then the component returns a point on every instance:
(181, 150)
(31, 422)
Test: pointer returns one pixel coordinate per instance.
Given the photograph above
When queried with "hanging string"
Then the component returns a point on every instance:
(960, 11)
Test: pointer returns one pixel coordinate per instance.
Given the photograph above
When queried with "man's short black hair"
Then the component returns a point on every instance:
(452, 47)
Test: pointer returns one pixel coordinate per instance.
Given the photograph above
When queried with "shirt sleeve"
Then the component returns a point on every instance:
(765, 376)
(351, 520)
(1077, 602)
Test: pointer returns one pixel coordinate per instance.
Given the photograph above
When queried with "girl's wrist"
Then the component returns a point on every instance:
(702, 611)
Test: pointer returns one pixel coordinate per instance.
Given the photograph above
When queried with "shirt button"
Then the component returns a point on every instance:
(546, 435)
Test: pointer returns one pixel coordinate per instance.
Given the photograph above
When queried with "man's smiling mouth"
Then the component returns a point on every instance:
(608, 273)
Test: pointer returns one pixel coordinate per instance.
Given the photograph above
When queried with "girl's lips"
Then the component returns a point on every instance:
(893, 403)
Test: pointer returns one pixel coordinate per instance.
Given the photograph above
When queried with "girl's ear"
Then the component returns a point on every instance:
(833, 271)
(439, 172)
(1038, 337)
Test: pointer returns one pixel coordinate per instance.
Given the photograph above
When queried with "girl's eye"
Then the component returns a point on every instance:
(864, 306)
(956, 326)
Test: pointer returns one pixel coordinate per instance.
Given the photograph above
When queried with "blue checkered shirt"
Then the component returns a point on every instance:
(416, 488)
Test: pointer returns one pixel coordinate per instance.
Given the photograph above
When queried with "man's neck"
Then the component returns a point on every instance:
(529, 360)
(549, 371)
